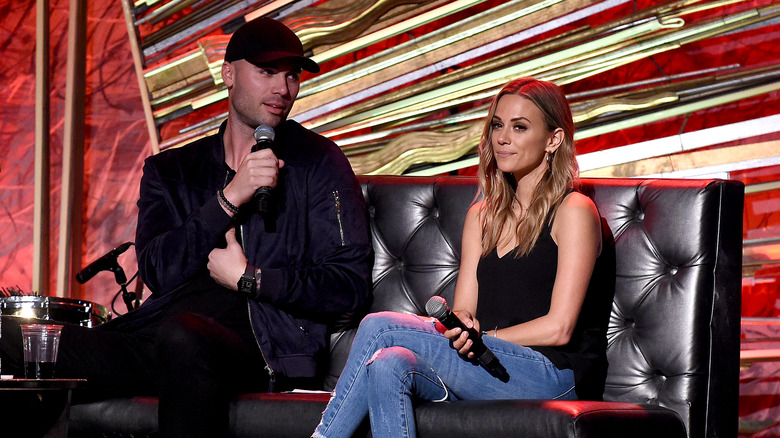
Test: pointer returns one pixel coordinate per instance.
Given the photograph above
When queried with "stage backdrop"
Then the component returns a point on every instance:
(116, 141)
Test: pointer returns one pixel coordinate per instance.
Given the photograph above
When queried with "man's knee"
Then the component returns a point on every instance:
(181, 336)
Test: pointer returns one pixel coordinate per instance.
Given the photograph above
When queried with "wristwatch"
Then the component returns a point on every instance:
(247, 284)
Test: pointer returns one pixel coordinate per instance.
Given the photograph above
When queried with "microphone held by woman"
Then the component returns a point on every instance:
(437, 308)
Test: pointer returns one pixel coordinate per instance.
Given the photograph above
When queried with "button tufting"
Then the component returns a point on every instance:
(641, 215)
(673, 271)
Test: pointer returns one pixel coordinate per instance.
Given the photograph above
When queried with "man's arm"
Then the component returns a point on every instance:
(174, 235)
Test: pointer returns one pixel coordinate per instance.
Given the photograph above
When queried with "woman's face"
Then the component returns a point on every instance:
(520, 136)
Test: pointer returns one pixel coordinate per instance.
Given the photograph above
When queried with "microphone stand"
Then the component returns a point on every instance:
(121, 279)
(110, 262)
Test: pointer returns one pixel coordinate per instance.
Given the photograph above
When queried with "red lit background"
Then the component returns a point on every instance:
(117, 142)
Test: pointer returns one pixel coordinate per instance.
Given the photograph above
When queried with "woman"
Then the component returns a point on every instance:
(529, 249)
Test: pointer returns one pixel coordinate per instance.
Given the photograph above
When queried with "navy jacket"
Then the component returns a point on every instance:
(314, 248)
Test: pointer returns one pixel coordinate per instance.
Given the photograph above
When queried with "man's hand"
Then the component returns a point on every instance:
(227, 265)
(258, 169)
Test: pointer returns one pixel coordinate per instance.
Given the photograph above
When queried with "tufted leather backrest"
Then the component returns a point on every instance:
(416, 230)
(673, 336)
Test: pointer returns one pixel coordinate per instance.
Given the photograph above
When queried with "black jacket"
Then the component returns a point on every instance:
(313, 249)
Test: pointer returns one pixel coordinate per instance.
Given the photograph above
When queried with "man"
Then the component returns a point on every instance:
(241, 299)
(299, 264)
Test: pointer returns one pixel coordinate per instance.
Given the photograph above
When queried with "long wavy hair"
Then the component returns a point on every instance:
(498, 188)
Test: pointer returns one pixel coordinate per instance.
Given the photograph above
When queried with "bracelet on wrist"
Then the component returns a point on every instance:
(487, 332)
(258, 282)
(224, 201)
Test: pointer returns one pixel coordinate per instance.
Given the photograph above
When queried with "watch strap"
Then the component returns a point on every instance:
(247, 284)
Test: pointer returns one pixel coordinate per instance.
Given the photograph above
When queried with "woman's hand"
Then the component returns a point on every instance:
(226, 266)
(459, 339)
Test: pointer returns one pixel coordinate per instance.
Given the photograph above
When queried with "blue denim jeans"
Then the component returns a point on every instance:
(398, 357)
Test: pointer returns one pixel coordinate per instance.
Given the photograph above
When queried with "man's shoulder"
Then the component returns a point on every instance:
(201, 150)
(305, 146)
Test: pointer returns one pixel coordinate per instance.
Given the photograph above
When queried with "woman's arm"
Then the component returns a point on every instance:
(466, 288)
(577, 232)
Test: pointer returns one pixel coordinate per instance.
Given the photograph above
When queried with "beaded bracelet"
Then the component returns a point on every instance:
(224, 201)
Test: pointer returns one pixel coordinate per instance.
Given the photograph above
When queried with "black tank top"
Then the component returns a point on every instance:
(516, 290)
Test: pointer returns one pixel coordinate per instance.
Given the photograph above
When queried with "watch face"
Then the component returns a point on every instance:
(245, 284)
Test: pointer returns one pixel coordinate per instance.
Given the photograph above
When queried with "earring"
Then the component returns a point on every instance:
(548, 158)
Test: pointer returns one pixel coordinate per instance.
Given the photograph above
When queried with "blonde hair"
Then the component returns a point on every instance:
(498, 188)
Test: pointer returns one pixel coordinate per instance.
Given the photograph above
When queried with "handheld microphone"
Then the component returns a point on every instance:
(107, 262)
(264, 138)
(437, 308)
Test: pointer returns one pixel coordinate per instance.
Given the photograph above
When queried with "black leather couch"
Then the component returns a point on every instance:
(673, 332)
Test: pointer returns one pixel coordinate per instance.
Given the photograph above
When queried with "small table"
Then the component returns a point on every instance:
(36, 408)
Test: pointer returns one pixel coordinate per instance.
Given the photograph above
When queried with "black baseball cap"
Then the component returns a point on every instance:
(265, 40)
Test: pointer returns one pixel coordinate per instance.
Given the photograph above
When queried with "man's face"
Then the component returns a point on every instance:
(261, 95)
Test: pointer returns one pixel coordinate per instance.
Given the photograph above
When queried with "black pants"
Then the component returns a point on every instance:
(195, 359)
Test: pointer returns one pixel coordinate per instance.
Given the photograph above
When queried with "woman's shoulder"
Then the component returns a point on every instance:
(477, 206)
(475, 211)
(577, 212)
(576, 203)
(576, 216)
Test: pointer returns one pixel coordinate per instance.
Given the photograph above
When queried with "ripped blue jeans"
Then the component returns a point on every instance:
(396, 358)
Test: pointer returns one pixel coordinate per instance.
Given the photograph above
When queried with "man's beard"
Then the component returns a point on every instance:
(256, 118)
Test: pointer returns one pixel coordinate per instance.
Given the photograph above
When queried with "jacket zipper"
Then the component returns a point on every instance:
(267, 367)
(337, 200)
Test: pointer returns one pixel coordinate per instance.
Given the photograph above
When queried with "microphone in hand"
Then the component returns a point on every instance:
(107, 262)
(437, 308)
(264, 139)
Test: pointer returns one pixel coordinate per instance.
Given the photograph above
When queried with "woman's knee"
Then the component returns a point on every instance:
(379, 322)
(391, 361)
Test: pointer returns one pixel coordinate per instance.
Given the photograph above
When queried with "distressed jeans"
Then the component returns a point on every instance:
(397, 358)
